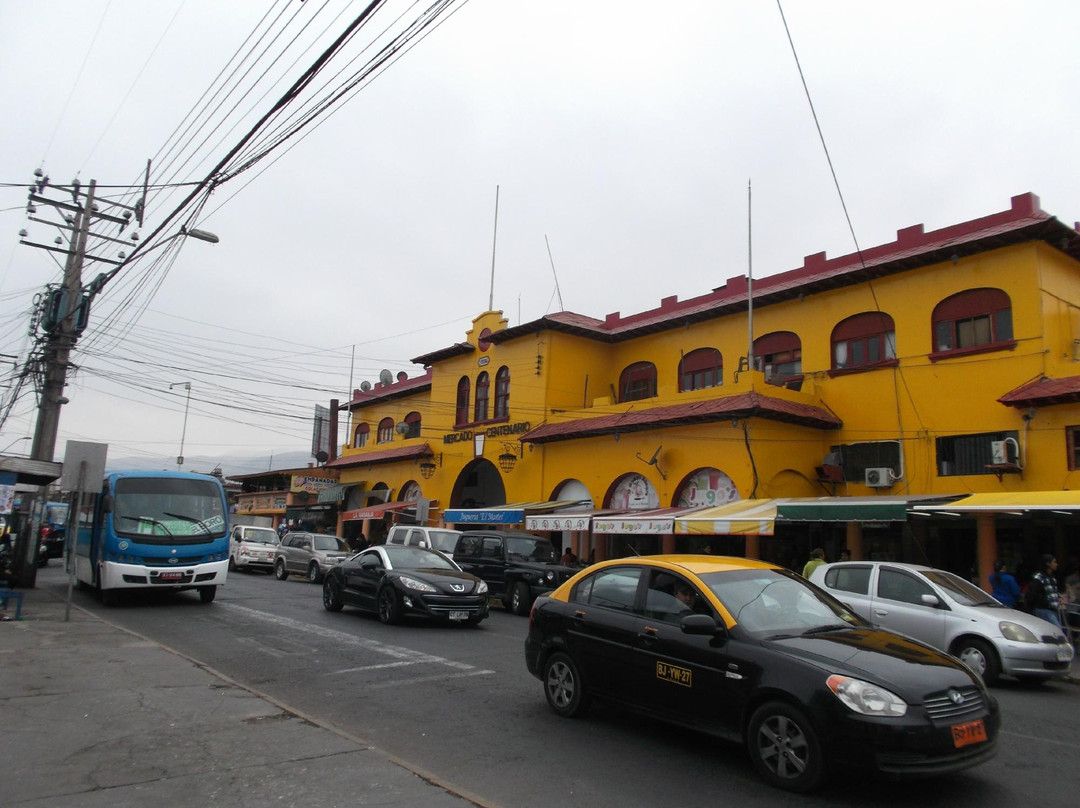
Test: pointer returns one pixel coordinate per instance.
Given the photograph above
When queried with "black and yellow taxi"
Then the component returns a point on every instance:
(754, 653)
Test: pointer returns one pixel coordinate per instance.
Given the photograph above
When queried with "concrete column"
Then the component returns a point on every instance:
(985, 548)
(667, 544)
(853, 538)
(601, 541)
(753, 546)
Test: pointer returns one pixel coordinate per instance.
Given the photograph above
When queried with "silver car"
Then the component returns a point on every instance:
(309, 554)
(949, 613)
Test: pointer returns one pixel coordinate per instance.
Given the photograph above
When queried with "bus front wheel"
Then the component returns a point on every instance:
(207, 593)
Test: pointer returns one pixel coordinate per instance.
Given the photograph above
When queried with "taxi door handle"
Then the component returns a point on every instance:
(579, 614)
(881, 612)
(647, 636)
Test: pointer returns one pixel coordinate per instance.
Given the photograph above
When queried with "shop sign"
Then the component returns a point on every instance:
(557, 523)
(500, 431)
(645, 526)
(311, 485)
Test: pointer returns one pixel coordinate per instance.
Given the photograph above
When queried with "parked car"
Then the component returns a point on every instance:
(437, 538)
(308, 554)
(951, 614)
(755, 653)
(252, 548)
(517, 567)
(396, 581)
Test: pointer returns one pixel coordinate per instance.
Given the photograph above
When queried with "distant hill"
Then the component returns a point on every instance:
(231, 465)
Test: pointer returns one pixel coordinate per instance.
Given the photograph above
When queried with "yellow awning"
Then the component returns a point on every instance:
(1006, 502)
(747, 517)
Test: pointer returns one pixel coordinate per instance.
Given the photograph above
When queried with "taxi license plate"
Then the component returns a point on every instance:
(170, 576)
(968, 733)
(459, 615)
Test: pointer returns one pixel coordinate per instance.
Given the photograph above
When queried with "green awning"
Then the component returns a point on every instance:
(845, 509)
(333, 493)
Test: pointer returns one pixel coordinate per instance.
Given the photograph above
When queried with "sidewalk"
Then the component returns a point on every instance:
(94, 716)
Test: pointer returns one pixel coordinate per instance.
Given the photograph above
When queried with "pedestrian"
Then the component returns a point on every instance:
(845, 554)
(568, 556)
(1042, 593)
(1003, 586)
(817, 558)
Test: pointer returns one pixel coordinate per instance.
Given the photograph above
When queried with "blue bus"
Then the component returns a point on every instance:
(153, 529)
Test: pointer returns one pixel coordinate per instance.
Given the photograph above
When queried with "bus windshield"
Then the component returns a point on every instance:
(169, 509)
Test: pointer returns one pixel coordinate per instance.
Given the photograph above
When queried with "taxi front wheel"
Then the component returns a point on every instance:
(784, 747)
(564, 687)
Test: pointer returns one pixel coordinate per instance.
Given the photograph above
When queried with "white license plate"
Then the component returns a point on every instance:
(458, 615)
(1064, 653)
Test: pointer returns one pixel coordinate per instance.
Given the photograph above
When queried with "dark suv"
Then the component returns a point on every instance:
(517, 567)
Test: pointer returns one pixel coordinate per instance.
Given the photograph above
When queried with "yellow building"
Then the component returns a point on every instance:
(878, 391)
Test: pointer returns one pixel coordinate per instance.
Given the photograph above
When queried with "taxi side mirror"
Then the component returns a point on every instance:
(702, 624)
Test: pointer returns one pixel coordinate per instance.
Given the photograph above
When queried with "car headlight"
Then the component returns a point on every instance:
(1016, 632)
(865, 698)
(481, 588)
(413, 583)
(550, 575)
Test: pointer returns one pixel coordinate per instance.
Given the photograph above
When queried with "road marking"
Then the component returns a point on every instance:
(406, 682)
(405, 656)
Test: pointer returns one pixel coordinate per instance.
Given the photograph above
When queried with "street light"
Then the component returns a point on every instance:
(183, 432)
(26, 437)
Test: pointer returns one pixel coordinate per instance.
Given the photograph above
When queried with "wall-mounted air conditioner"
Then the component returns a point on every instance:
(879, 478)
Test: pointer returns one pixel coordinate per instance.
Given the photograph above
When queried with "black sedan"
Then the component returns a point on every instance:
(395, 582)
(753, 653)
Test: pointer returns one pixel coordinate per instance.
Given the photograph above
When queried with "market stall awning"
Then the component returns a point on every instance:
(568, 519)
(511, 514)
(654, 520)
(847, 509)
(376, 511)
(333, 493)
(1015, 502)
(745, 517)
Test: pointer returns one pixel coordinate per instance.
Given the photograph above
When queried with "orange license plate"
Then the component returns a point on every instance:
(968, 733)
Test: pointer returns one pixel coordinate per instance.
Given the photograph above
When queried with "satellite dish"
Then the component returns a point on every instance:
(365, 385)
(402, 375)
(386, 377)
(322, 457)
(402, 428)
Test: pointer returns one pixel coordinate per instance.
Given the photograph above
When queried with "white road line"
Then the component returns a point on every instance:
(418, 679)
(405, 656)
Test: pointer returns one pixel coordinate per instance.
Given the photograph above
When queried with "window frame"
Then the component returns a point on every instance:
(973, 449)
(502, 393)
(464, 401)
(361, 435)
(779, 349)
(413, 420)
(868, 332)
(696, 366)
(977, 307)
(481, 398)
(637, 377)
(386, 431)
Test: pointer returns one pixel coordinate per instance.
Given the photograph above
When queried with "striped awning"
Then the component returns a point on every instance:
(654, 520)
(745, 517)
(567, 519)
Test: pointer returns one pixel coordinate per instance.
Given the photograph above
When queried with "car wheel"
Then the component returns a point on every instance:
(207, 593)
(332, 600)
(232, 564)
(519, 598)
(313, 574)
(564, 687)
(784, 747)
(389, 609)
(980, 656)
(279, 570)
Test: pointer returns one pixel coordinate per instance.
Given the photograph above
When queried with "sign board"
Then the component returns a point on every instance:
(84, 466)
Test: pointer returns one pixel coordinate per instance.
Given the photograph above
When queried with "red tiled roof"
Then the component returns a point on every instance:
(1043, 392)
(744, 405)
(388, 392)
(385, 456)
(1024, 221)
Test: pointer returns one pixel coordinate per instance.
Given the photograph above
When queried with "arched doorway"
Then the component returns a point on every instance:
(479, 485)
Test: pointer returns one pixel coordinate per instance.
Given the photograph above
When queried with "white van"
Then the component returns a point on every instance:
(252, 548)
(437, 538)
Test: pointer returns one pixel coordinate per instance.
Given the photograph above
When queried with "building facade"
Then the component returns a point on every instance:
(878, 393)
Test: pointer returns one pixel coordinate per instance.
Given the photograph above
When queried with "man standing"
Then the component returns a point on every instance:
(817, 558)
(1042, 592)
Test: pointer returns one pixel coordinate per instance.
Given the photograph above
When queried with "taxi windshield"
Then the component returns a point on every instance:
(772, 602)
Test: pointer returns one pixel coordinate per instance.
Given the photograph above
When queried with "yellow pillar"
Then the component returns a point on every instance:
(854, 539)
(986, 548)
(753, 546)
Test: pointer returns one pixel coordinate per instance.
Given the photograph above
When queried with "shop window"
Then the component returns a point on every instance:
(386, 430)
(973, 320)
(637, 381)
(502, 392)
(701, 368)
(461, 411)
(975, 454)
(480, 411)
(1072, 442)
(360, 435)
(779, 356)
(412, 425)
(864, 341)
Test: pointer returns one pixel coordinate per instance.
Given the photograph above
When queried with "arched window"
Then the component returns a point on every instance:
(700, 369)
(461, 410)
(480, 411)
(412, 421)
(502, 392)
(972, 319)
(386, 430)
(360, 435)
(779, 356)
(863, 340)
(637, 381)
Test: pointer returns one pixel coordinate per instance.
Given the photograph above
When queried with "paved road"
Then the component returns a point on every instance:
(458, 702)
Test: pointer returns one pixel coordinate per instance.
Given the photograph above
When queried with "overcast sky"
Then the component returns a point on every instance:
(622, 132)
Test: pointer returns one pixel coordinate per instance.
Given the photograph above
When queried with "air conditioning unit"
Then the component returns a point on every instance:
(879, 478)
